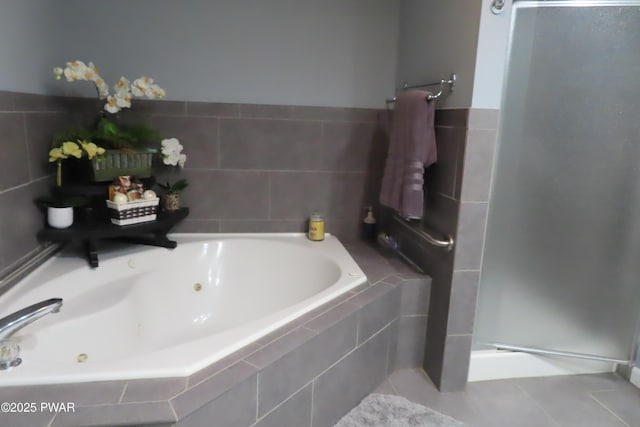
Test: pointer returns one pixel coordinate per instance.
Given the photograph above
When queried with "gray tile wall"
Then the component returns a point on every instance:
(265, 168)
(456, 202)
(27, 123)
(251, 168)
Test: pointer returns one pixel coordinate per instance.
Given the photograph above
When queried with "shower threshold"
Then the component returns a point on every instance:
(502, 364)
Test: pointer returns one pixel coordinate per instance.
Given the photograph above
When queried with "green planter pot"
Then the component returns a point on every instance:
(116, 163)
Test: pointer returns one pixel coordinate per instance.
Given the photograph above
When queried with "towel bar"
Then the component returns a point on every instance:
(451, 82)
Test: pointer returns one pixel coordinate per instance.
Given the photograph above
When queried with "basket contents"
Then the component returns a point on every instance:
(130, 203)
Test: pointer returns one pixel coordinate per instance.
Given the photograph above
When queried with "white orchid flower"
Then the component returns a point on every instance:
(78, 65)
(170, 160)
(154, 91)
(171, 152)
(103, 88)
(171, 145)
(112, 105)
(124, 89)
(76, 70)
(140, 86)
(136, 88)
(71, 74)
(122, 93)
(122, 86)
(123, 101)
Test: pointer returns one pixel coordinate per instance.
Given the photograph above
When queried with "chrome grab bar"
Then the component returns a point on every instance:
(446, 244)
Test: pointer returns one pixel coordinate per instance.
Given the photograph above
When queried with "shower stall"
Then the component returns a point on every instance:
(561, 262)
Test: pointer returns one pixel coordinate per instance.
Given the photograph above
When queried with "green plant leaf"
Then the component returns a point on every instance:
(179, 185)
(59, 200)
(174, 188)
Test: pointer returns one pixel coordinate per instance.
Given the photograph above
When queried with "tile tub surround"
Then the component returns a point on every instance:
(312, 371)
(266, 168)
(27, 123)
(251, 168)
(456, 202)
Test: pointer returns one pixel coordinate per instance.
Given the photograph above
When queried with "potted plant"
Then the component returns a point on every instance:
(129, 148)
(60, 206)
(172, 155)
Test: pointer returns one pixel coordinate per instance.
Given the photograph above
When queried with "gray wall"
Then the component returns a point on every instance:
(289, 52)
(491, 57)
(437, 38)
(29, 38)
(461, 36)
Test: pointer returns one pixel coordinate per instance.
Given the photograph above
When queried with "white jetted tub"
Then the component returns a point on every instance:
(154, 312)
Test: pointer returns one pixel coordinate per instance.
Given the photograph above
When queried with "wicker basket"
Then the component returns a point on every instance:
(133, 212)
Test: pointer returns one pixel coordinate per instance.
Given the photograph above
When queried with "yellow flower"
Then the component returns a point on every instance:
(91, 149)
(70, 148)
(56, 154)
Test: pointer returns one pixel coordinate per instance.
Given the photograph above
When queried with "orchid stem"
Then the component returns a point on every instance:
(59, 174)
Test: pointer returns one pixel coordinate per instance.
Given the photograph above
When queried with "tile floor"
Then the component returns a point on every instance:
(601, 400)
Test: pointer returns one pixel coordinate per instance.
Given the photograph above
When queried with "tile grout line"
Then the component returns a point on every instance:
(270, 195)
(219, 144)
(186, 387)
(313, 394)
(173, 410)
(362, 172)
(25, 184)
(358, 325)
(25, 133)
(258, 396)
(124, 390)
(52, 420)
(312, 381)
(282, 402)
(231, 365)
(539, 405)
(590, 394)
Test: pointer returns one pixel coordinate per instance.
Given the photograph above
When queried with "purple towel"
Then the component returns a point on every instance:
(412, 148)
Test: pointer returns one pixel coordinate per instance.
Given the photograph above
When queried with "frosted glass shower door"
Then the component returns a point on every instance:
(561, 265)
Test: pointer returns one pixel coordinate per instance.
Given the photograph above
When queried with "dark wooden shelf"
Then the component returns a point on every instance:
(96, 226)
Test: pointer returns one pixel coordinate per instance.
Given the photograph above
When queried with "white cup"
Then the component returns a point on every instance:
(60, 217)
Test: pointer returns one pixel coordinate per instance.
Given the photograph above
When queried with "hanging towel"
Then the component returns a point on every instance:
(412, 148)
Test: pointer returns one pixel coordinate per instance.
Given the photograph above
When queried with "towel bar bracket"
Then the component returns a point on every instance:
(451, 82)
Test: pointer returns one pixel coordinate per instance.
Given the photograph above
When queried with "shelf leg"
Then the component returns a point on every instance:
(162, 241)
(158, 239)
(92, 252)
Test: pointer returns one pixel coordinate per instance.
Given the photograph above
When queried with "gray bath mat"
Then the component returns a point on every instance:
(383, 410)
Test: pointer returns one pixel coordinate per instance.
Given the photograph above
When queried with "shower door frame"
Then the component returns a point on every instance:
(517, 4)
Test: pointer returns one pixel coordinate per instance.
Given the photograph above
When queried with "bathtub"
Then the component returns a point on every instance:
(153, 312)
